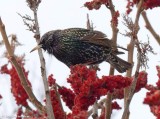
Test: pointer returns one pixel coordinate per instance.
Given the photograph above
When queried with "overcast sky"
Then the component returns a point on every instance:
(60, 14)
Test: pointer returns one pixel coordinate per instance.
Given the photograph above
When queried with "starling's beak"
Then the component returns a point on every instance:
(36, 48)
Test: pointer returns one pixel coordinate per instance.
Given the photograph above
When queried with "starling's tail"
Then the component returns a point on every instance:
(119, 64)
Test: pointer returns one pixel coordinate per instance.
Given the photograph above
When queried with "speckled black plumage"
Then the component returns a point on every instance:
(82, 46)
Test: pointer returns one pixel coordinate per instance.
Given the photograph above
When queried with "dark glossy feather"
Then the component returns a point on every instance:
(82, 46)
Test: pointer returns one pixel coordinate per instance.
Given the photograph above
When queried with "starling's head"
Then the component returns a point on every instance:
(47, 41)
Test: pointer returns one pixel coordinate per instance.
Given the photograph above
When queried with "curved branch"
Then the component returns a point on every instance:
(108, 103)
(20, 72)
(150, 28)
(129, 92)
(49, 108)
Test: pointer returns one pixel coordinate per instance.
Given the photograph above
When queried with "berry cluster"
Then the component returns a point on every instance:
(95, 4)
(148, 4)
(87, 88)
(153, 96)
(16, 87)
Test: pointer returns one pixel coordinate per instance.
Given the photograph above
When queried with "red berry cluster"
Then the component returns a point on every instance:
(19, 113)
(115, 105)
(16, 87)
(57, 108)
(141, 81)
(51, 80)
(95, 4)
(32, 114)
(67, 96)
(129, 6)
(148, 4)
(87, 88)
(158, 70)
(153, 97)
(114, 20)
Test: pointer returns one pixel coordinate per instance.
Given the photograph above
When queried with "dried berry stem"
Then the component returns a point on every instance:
(88, 24)
(19, 70)
(95, 110)
(58, 96)
(49, 108)
(108, 106)
(108, 103)
(129, 92)
(99, 105)
(150, 28)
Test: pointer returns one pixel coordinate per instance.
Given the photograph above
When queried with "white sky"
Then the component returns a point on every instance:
(60, 14)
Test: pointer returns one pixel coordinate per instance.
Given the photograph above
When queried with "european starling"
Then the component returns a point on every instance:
(81, 46)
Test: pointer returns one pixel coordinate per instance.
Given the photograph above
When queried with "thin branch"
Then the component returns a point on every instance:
(129, 92)
(108, 103)
(34, 6)
(150, 28)
(95, 110)
(26, 20)
(132, 87)
(114, 27)
(89, 26)
(19, 70)
(108, 106)
(58, 96)
(99, 105)
(145, 48)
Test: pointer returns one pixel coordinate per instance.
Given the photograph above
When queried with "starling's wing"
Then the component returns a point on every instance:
(86, 35)
(75, 33)
(99, 38)
(90, 36)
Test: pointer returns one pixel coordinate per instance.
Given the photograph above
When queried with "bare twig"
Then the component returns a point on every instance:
(13, 44)
(99, 105)
(95, 111)
(133, 85)
(14, 40)
(145, 48)
(129, 92)
(150, 28)
(33, 4)
(26, 20)
(19, 70)
(89, 26)
(108, 103)
(58, 96)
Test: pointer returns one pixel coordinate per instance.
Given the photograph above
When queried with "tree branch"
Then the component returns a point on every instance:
(19, 70)
(108, 103)
(34, 6)
(99, 105)
(150, 28)
(129, 92)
